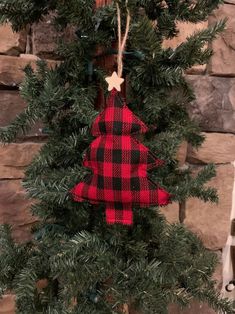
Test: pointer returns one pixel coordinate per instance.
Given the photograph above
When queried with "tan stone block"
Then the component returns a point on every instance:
(11, 172)
(14, 209)
(18, 154)
(15, 157)
(11, 43)
(7, 304)
(11, 69)
(214, 107)
(222, 62)
(171, 212)
(217, 148)
(11, 104)
(197, 69)
(29, 56)
(211, 221)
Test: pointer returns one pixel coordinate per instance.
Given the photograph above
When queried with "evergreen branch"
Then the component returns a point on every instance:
(144, 38)
(20, 12)
(12, 257)
(53, 155)
(214, 300)
(194, 186)
(201, 10)
(193, 51)
(46, 190)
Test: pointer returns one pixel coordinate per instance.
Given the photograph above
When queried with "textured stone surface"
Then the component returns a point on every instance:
(11, 69)
(211, 221)
(217, 148)
(7, 304)
(28, 56)
(18, 154)
(11, 43)
(171, 212)
(11, 172)
(214, 107)
(197, 69)
(222, 62)
(186, 30)
(15, 157)
(45, 37)
(230, 1)
(14, 209)
(11, 104)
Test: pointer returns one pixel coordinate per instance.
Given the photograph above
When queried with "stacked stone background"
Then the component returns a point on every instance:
(214, 108)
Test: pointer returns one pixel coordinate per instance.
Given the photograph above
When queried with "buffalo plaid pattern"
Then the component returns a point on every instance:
(119, 163)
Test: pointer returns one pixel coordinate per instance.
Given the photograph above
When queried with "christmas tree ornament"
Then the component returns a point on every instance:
(119, 162)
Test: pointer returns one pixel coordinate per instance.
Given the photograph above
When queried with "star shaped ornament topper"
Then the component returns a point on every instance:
(114, 81)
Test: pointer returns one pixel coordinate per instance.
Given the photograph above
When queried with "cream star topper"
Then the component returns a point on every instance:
(114, 81)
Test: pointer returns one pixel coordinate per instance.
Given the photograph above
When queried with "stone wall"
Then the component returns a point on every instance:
(214, 108)
(16, 51)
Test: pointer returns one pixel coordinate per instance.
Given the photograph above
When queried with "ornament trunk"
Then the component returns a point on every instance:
(86, 265)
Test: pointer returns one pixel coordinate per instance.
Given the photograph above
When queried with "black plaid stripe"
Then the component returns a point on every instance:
(100, 154)
(135, 184)
(117, 156)
(135, 156)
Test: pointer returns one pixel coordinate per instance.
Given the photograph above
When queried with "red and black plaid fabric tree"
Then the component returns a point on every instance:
(119, 163)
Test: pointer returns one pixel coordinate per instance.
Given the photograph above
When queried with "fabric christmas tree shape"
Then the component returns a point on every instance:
(119, 163)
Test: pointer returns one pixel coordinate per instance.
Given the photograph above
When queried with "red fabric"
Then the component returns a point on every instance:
(119, 163)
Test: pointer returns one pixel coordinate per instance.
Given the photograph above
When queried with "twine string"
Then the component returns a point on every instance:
(122, 43)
